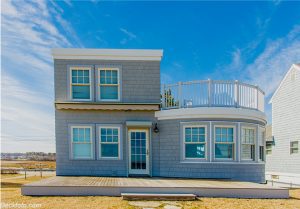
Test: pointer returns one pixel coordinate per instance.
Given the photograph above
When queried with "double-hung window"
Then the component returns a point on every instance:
(224, 143)
(262, 147)
(109, 142)
(194, 142)
(80, 88)
(81, 142)
(248, 143)
(294, 147)
(108, 84)
(269, 145)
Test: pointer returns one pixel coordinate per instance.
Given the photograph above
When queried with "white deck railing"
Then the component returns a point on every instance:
(212, 93)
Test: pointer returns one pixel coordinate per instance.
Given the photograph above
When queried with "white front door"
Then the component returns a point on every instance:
(138, 151)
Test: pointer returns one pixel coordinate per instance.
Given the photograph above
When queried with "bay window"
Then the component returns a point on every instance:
(248, 143)
(224, 143)
(194, 142)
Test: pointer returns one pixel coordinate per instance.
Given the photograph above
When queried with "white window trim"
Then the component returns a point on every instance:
(262, 132)
(98, 84)
(183, 143)
(254, 143)
(294, 147)
(99, 143)
(234, 143)
(92, 142)
(71, 83)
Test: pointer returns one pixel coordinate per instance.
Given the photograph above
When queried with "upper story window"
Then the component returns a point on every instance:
(224, 143)
(81, 142)
(194, 142)
(248, 143)
(80, 83)
(294, 147)
(108, 84)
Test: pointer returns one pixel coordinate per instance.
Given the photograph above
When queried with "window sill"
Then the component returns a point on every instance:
(81, 159)
(200, 160)
(108, 158)
(222, 162)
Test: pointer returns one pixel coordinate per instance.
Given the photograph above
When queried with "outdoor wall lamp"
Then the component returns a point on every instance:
(155, 129)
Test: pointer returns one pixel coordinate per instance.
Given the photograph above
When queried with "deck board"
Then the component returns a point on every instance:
(114, 186)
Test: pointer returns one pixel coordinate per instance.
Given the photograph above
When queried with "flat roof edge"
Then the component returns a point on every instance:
(107, 54)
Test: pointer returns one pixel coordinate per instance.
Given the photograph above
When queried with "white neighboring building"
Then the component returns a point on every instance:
(283, 154)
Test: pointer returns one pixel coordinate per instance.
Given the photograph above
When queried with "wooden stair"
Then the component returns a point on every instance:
(157, 196)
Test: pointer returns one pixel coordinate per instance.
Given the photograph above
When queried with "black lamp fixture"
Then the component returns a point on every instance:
(155, 129)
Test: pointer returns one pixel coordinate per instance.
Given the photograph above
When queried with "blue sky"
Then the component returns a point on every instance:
(254, 42)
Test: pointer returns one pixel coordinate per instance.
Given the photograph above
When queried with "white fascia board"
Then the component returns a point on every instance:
(294, 66)
(211, 112)
(107, 54)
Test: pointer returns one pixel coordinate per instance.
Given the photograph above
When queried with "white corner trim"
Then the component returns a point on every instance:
(210, 113)
(107, 54)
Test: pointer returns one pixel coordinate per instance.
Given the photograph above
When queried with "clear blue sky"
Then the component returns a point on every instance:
(255, 42)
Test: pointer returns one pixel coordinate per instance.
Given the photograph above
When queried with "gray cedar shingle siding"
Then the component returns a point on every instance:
(66, 166)
(140, 83)
(140, 79)
(170, 165)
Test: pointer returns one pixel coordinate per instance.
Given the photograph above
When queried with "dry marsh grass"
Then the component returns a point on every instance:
(29, 164)
(11, 193)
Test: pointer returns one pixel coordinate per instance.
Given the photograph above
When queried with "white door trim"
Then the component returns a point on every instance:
(139, 171)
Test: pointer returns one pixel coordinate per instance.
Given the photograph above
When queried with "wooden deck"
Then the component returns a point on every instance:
(114, 186)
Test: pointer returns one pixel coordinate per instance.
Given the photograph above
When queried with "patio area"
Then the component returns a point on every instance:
(114, 186)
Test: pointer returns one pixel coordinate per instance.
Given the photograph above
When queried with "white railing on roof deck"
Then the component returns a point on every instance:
(212, 93)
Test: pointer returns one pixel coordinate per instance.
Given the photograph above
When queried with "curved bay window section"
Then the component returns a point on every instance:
(224, 143)
(194, 142)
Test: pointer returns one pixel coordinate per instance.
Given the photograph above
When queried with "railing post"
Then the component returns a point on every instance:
(237, 93)
(209, 92)
(179, 94)
(257, 104)
(164, 96)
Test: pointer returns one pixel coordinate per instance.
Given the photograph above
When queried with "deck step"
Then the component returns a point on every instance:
(157, 196)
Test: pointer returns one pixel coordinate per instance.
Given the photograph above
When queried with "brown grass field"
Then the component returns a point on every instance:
(10, 193)
(28, 164)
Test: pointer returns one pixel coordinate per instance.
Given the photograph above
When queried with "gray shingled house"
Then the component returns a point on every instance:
(114, 118)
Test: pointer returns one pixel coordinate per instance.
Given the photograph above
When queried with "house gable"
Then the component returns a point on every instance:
(293, 68)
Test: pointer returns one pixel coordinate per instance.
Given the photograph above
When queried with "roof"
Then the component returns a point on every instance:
(294, 66)
(107, 54)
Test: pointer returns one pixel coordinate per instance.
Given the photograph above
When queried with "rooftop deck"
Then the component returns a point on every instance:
(114, 186)
(212, 93)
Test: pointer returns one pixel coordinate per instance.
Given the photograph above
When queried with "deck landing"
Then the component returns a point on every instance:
(114, 186)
